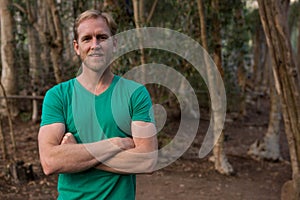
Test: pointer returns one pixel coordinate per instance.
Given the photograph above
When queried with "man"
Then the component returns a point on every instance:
(97, 129)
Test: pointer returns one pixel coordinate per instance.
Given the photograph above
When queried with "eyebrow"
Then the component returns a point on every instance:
(97, 34)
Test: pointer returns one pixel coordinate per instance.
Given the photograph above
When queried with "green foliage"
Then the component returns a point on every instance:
(177, 15)
(294, 23)
(25, 116)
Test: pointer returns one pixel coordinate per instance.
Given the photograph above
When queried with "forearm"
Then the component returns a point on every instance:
(69, 158)
(141, 159)
(130, 162)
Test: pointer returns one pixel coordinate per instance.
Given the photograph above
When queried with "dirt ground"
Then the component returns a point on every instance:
(188, 178)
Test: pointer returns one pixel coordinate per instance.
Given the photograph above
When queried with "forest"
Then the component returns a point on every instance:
(243, 126)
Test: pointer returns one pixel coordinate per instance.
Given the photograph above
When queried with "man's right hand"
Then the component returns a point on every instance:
(122, 143)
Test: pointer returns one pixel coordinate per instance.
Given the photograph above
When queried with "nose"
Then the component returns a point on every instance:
(95, 44)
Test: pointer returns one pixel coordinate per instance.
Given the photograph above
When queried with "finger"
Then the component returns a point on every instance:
(68, 134)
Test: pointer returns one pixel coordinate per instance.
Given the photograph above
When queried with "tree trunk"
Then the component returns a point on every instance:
(287, 81)
(216, 36)
(260, 56)
(203, 32)
(298, 46)
(221, 163)
(41, 25)
(8, 76)
(39, 20)
(149, 17)
(141, 13)
(138, 24)
(34, 61)
(269, 147)
(241, 69)
(9, 118)
(56, 42)
(2, 141)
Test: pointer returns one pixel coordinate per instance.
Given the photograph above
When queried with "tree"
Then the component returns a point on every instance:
(240, 54)
(8, 76)
(273, 16)
(221, 163)
(56, 39)
(269, 148)
(298, 46)
(138, 7)
(34, 59)
(260, 54)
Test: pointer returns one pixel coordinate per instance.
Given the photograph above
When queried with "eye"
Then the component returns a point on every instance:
(102, 37)
(86, 38)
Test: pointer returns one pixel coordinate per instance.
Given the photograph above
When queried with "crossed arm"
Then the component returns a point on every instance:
(119, 155)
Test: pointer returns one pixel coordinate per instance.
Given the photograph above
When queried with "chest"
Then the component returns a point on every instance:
(92, 119)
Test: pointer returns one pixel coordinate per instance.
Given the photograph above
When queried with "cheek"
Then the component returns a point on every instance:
(107, 44)
(108, 47)
(82, 50)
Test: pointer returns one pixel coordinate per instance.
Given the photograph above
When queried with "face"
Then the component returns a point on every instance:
(94, 45)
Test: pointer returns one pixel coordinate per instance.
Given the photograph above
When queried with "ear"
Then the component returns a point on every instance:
(76, 47)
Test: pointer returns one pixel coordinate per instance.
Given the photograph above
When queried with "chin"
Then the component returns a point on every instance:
(96, 67)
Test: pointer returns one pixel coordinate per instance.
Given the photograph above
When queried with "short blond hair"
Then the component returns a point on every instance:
(94, 14)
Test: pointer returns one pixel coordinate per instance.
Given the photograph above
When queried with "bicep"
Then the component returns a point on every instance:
(144, 136)
(50, 135)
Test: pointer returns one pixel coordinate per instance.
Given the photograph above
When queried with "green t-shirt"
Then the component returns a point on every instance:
(92, 118)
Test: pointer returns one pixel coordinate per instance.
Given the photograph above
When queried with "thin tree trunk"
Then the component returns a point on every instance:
(34, 61)
(266, 74)
(2, 141)
(241, 70)
(9, 118)
(221, 163)
(260, 56)
(298, 46)
(216, 36)
(202, 24)
(149, 17)
(269, 147)
(141, 13)
(138, 24)
(41, 25)
(56, 40)
(34, 72)
(287, 80)
(8, 76)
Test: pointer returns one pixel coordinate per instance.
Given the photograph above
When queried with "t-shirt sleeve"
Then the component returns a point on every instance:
(142, 105)
(52, 110)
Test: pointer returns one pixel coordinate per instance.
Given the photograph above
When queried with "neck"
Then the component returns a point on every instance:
(95, 82)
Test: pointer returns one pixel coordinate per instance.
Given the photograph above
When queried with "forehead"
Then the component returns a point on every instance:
(92, 26)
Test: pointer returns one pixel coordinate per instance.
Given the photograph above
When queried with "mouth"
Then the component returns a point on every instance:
(96, 55)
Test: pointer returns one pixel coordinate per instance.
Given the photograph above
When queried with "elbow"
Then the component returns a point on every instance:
(47, 171)
(151, 168)
(48, 167)
(151, 164)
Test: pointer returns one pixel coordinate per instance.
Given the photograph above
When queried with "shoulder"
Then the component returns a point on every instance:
(127, 83)
(60, 89)
(130, 90)
(62, 86)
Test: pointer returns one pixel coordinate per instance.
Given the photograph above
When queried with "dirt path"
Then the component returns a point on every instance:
(196, 180)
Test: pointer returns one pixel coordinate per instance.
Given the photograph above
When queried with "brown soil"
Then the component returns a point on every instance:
(188, 178)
